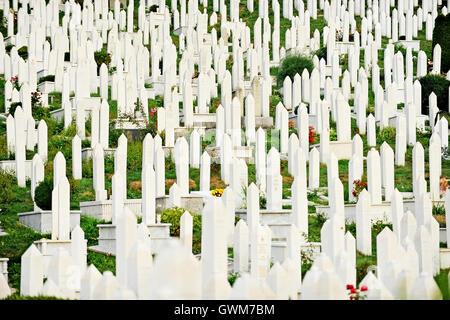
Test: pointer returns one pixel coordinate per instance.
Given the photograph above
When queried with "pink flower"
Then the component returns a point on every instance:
(153, 111)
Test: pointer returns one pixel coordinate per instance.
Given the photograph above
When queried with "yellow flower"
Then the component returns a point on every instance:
(217, 192)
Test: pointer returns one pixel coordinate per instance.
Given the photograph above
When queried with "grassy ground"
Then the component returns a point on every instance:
(14, 200)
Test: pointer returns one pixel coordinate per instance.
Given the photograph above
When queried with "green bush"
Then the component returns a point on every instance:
(173, 216)
(387, 134)
(321, 53)
(7, 182)
(437, 84)
(102, 56)
(291, 65)
(50, 77)
(13, 107)
(8, 47)
(441, 35)
(23, 52)
(43, 194)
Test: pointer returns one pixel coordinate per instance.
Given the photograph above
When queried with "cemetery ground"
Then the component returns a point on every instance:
(15, 199)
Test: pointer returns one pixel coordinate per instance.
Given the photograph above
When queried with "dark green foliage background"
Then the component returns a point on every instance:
(291, 65)
(441, 35)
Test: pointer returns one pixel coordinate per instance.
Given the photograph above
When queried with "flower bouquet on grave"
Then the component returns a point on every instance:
(359, 186)
(217, 192)
(443, 185)
(356, 294)
(312, 135)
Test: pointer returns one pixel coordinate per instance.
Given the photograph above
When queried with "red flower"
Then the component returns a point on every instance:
(291, 124)
(352, 297)
(312, 133)
(152, 111)
(364, 288)
(350, 286)
(353, 290)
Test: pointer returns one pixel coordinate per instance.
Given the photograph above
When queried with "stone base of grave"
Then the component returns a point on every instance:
(377, 212)
(168, 151)
(279, 248)
(46, 87)
(442, 234)
(10, 40)
(102, 210)
(156, 18)
(48, 248)
(343, 47)
(192, 202)
(207, 120)
(159, 235)
(86, 153)
(202, 120)
(10, 166)
(264, 122)
(186, 132)
(89, 103)
(4, 267)
(302, 51)
(269, 216)
(41, 221)
(341, 149)
(444, 258)
(125, 124)
(420, 121)
(279, 231)
(413, 44)
(157, 87)
(242, 152)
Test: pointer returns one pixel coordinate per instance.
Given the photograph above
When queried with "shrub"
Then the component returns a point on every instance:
(7, 183)
(50, 77)
(437, 84)
(13, 107)
(387, 134)
(23, 52)
(291, 65)
(101, 57)
(173, 216)
(321, 53)
(8, 48)
(441, 35)
(43, 194)
(40, 112)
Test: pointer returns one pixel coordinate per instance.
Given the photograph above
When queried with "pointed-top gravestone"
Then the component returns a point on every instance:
(88, 282)
(32, 272)
(186, 223)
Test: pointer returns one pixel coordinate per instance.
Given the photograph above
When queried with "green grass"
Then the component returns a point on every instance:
(13, 200)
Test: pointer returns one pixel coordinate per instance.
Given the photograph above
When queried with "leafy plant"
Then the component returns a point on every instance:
(321, 53)
(359, 186)
(101, 57)
(232, 278)
(387, 134)
(173, 216)
(43, 194)
(23, 52)
(291, 65)
(13, 106)
(50, 78)
(441, 35)
(437, 84)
